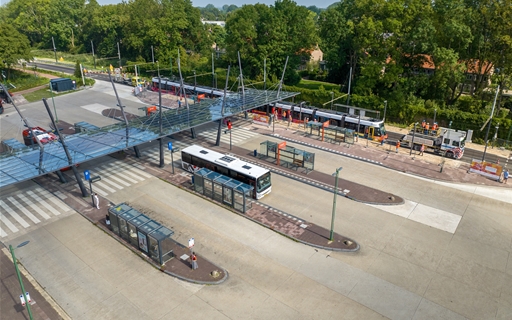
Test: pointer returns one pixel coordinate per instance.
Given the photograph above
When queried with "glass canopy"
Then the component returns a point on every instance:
(20, 164)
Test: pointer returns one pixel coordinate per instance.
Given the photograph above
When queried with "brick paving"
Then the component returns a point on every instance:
(10, 306)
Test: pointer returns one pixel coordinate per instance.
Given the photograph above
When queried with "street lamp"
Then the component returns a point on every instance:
(331, 235)
(53, 101)
(19, 276)
(412, 142)
(385, 108)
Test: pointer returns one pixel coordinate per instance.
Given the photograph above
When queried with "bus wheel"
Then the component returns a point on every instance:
(450, 155)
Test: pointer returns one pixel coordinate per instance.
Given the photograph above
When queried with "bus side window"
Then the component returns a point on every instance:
(185, 157)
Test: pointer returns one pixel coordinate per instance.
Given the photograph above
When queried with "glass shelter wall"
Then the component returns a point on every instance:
(223, 189)
(143, 233)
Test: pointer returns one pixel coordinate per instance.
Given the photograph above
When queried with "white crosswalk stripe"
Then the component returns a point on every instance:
(33, 206)
(29, 208)
(22, 209)
(14, 214)
(40, 201)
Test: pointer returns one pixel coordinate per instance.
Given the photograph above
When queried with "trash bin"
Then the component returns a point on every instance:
(255, 153)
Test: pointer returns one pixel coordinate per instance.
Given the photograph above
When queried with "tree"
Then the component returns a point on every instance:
(15, 46)
(260, 32)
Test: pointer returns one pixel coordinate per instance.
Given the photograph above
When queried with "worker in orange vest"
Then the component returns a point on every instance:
(397, 145)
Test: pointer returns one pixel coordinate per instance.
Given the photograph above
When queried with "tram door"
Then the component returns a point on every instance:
(371, 132)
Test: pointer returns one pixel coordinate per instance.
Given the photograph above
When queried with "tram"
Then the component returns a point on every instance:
(372, 128)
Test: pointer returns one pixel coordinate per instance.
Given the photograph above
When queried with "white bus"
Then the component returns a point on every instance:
(196, 157)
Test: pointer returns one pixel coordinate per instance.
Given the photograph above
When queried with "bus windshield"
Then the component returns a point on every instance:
(263, 182)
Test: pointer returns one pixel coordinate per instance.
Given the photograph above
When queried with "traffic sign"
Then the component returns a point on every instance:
(169, 145)
(87, 175)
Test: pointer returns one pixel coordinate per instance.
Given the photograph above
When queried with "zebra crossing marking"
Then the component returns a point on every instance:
(7, 223)
(2, 233)
(103, 186)
(39, 200)
(23, 209)
(33, 206)
(14, 214)
(53, 199)
(114, 166)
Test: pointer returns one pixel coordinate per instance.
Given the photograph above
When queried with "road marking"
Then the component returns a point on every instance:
(103, 186)
(2, 233)
(14, 214)
(24, 210)
(33, 206)
(122, 174)
(53, 199)
(8, 223)
(39, 200)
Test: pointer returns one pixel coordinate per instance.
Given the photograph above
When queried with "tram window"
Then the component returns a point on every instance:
(455, 143)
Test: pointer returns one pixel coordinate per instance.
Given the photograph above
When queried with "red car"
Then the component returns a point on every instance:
(42, 135)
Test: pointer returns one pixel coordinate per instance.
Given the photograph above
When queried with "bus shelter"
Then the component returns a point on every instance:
(223, 189)
(143, 233)
(288, 156)
(337, 134)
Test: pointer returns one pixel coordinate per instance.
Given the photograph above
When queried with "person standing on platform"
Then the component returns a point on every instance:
(96, 201)
(397, 145)
(505, 176)
(194, 261)
(422, 149)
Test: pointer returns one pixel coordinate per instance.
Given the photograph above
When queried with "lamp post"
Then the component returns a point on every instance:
(19, 276)
(331, 235)
(53, 101)
(385, 108)
(412, 142)
(435, 112)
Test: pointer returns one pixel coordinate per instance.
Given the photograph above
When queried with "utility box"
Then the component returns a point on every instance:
(62, 84)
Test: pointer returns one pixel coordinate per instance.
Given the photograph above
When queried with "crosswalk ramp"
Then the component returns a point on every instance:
(31, 207)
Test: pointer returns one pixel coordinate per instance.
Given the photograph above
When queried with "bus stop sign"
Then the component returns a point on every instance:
(87, 174)
(169, 145)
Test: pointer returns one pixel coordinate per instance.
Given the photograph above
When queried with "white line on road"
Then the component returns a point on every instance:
(39, 200)
(24, 210)
(33, 206)
(14, 214)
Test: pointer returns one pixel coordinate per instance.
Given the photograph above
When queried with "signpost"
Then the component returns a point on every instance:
(169, 145)
(87, 176)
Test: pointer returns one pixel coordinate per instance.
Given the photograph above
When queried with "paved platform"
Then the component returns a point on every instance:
(207, 273)
(43, 306)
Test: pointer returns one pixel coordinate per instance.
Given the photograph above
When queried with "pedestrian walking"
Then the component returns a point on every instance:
(381, 140)
(96, 201)
(397, 145)
(505, 176)
(422, 149)
(194, 261)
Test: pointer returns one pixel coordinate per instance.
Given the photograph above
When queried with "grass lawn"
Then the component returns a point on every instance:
(314, 85)
(42, 93)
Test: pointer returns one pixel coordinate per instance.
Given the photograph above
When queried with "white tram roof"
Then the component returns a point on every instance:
(226, 160)
(189, 87)
(329, 113)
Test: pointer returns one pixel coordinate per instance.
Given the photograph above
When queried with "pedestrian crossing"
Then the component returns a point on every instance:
(29, 207)
(117, 175)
